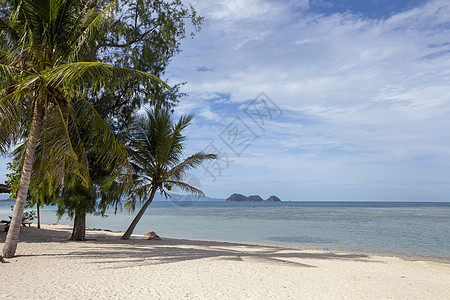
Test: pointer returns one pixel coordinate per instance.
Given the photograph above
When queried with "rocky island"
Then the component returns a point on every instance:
(253, 198)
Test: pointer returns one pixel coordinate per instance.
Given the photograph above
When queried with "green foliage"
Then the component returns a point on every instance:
(141, 34)
(78, 60)
(42, 45)
(145, 34)
(27, 215)
(73, 198)
(39, 193)
(106, 190)
(156, 144)
(13, 180)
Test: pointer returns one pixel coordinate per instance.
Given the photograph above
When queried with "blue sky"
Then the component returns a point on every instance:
(362, 88)
(320, 100)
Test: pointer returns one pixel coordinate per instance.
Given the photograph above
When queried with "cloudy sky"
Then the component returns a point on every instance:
(321, 100)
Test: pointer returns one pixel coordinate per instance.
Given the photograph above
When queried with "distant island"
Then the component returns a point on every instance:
(254, 198)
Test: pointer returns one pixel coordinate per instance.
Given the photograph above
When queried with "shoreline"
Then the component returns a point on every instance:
(337, 250)
(375, 232)
(400, 255)
(404, 256)
(106, 267)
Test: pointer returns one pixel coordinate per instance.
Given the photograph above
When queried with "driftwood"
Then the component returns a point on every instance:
(152, 235)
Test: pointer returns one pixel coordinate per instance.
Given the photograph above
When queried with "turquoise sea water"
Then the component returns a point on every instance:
(401, 228)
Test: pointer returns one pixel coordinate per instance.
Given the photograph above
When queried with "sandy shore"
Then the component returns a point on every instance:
(48, 266)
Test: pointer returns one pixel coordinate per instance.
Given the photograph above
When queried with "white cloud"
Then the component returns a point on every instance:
(375, 94)
(305, 41)
(233, 10)
(366, 102)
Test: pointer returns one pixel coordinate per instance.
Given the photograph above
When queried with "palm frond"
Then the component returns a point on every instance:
(5, 57)
(14, 120)
(185, 187)
(174, 146)
(140, 190)
(6, 71)
(61, 146)
(189, 163)
(80, 75)
(100, 139)
(155, 146)
(4, 26)
(93, 21)
(38, 9)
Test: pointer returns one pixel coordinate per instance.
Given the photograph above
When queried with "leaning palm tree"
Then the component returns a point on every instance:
(45, 71)
(156, 149)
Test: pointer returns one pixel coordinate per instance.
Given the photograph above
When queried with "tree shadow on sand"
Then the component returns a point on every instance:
(112, 252)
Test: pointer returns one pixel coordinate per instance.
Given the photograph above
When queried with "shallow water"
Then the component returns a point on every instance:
(417, 229)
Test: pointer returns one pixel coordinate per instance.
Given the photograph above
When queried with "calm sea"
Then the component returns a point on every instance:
(401, 228)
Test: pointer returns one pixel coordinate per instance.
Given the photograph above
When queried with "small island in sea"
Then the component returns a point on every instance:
(253, 198)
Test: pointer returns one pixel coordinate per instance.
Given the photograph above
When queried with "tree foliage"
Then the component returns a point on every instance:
(145, 35)
(156, 145)
(46, 69)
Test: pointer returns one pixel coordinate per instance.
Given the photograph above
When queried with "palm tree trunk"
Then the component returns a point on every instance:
(133, 224)
(79, 227)
(10, 246)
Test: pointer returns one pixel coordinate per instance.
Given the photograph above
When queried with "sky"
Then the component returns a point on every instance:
(319, 100)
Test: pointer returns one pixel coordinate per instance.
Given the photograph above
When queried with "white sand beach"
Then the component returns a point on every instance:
(48, 266)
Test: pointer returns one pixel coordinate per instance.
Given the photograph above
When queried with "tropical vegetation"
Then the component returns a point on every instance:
(46, 71)
(155, 144)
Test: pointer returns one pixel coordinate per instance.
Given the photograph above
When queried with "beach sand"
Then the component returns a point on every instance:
(47, 266)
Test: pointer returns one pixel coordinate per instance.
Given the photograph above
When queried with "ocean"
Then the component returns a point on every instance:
(407, 229)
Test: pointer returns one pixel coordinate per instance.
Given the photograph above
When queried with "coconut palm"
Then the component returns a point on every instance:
(44, 72)
(156, 149)
(73, 199)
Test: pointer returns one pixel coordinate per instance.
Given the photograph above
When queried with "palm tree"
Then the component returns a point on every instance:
(74, 198)
(156, 148)
(44, 73)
